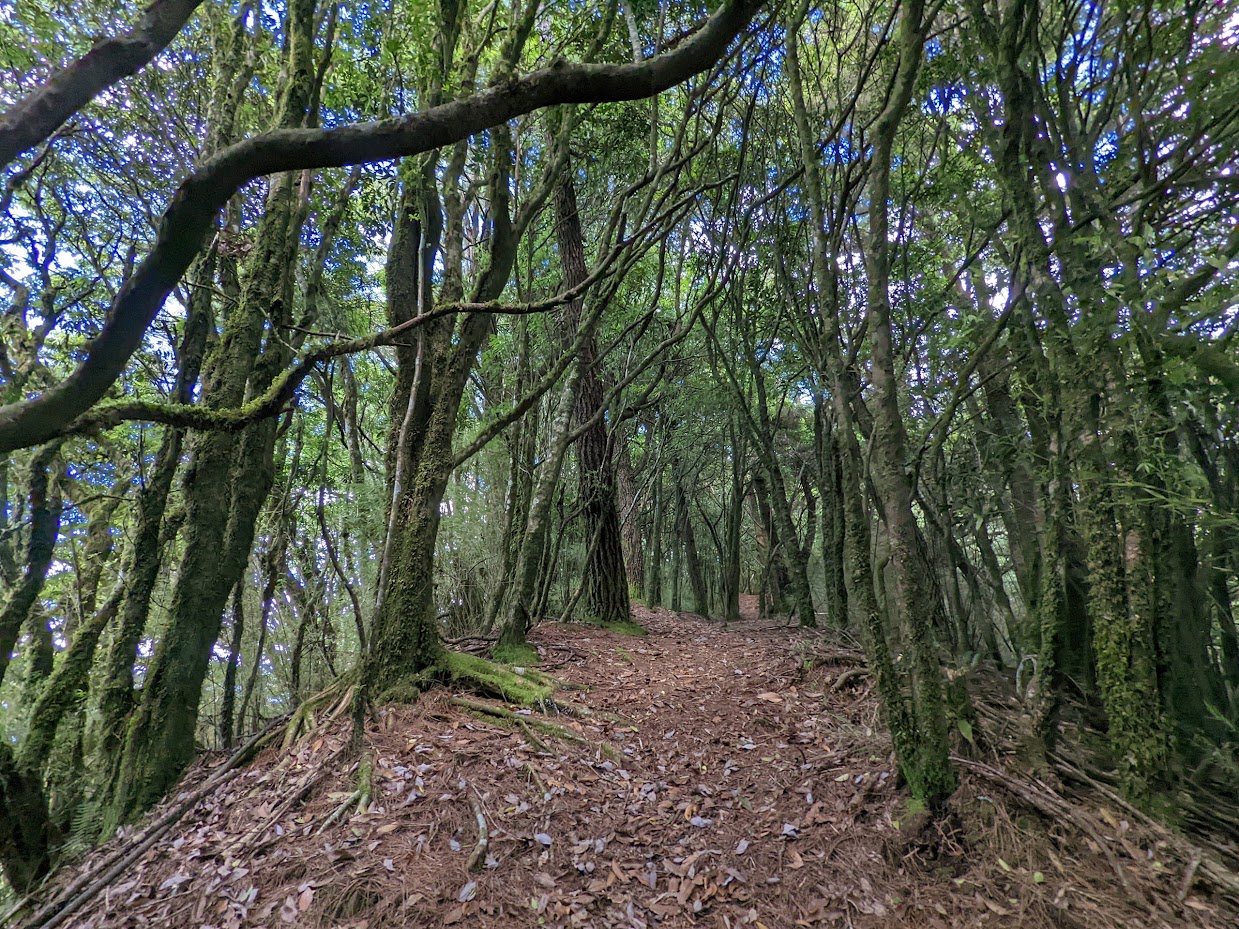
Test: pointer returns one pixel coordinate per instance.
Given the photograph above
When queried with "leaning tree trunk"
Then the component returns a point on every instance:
(229, 475)
(26, 835)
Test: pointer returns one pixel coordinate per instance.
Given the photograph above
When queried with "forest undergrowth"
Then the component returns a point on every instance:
(707, 776)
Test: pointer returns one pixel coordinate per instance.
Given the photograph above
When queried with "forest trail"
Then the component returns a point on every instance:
(748, 783)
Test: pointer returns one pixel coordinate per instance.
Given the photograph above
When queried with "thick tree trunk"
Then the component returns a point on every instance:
(45, 504)
(26, 835)
(229, 475)
(605, 579)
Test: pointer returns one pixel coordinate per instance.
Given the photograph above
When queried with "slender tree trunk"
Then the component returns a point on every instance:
(688, 541)
(227, 721)
(830, 489)
(519, 614)
(630, 524)
(654, 565)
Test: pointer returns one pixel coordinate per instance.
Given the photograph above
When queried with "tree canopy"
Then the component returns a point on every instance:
(342, 342)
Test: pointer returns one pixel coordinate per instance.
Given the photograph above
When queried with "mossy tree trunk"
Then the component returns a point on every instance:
(27, 838)
(229, 475)
(432, 375)
(912, 599)
(916, 714)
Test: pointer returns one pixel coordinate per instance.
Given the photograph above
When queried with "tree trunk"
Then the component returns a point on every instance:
(227, 721)
(830, 490)
(605, 578)
(630, 525)
(229, 475)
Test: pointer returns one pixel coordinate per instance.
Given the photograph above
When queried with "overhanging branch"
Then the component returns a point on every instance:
(36, 116)
(188, 217)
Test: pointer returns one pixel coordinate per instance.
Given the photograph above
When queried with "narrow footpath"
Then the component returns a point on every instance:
(708, 776)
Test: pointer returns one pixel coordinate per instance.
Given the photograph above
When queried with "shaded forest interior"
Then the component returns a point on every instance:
(439, 360)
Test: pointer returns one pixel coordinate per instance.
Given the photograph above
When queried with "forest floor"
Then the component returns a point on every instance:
(728, 777)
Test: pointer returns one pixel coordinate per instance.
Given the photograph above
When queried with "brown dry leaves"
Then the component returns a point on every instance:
(743, 793)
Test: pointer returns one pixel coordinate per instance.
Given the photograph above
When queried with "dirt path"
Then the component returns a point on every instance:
(742, 787)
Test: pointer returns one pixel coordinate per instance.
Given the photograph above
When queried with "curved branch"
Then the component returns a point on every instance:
(280, 393)
(35, 117)
(188, 217)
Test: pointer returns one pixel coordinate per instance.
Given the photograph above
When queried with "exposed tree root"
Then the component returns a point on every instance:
(577, 711)
(527, 722)
(626, 627)
(848, 677)
(534, 742)
(246, 842)
(526, 687)
(359, 800)
(338, 695)
(535, 779)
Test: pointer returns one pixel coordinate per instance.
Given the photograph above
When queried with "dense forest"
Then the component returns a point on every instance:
(345, 346)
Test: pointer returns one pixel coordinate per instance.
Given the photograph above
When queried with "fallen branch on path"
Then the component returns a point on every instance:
(1048, 802)
(477, 860)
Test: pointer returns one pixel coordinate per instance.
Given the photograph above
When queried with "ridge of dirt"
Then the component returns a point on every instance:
(739, 782)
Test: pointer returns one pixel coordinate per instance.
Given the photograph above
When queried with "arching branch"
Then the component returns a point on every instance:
(36, 116)
(188, 217)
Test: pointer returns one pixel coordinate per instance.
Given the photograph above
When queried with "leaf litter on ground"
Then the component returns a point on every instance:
(740, 790)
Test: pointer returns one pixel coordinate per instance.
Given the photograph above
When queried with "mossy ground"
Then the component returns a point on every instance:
(530, 688)
(519, 656)
(626, 627)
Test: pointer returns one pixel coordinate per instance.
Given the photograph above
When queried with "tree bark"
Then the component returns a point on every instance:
(606, 583)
